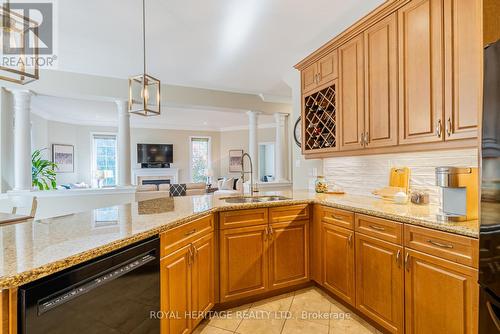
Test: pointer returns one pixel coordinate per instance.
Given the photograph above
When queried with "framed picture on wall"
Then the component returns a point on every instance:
(64, 156)
(235, 161)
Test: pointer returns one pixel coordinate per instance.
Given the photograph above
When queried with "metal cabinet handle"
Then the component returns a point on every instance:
(439, 128)
(398, 255)
(435, 243)
(362, 137)
(407, 262)
(378, 228)
(336, 217)
(367, 138)
(349, 239)
(448, 127)
(190, 258)
(266, 233)
(193, 231)
(271, 231)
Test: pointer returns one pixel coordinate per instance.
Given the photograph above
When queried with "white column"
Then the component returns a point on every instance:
(22, 139)
(123, 144)
(280, 147)
(253, 144)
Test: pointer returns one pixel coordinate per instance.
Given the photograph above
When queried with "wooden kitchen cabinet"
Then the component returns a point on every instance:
(440, 296)
(381, 79)
(351, 94)
(421, 95)
(175, 289)
(187, 286)
(380, 282)
(243, 262)
(337, 254)
(288, 253)
(463, 68)
(202, 293)
(320, 73)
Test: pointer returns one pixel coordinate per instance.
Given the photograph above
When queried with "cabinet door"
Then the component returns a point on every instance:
(309, 78)
(421, 72)
(175, 270)
(202, 299)
(381, 79)
(440, 296)
(351, 94)
(338, 261)
(463, 73)
(328, 68)
(379, 282)
(288, 253)
(243, 262)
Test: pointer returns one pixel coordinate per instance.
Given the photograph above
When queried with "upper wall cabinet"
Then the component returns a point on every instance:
(421, 72)
(381, 80)
(463, 71)
(319, 73)
(351, 95)
(409, 78)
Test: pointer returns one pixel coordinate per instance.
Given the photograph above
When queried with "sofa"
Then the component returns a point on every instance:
(229, 186)
(184, 189)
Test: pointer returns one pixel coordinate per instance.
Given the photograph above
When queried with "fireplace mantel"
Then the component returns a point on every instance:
(171, 173)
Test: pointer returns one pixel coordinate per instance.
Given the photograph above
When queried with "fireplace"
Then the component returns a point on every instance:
(156, 176)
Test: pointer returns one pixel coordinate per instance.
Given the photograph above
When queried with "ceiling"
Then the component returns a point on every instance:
(98, 113)
(234, 45)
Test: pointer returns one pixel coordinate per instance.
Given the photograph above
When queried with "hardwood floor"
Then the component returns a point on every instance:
(268, 316)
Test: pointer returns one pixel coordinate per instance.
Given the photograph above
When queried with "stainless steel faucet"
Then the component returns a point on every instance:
(243, 172)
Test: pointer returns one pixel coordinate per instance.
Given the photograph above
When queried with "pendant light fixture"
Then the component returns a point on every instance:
(144, 90)
(19, 46)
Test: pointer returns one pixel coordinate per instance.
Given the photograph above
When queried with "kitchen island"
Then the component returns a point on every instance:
(300, 232)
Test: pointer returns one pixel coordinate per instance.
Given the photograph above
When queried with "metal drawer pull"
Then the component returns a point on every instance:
(349, 239)
(378, 228)
(435, 243)
(398, 255)
(407, 262)
(190, 258)
(193, 231)
(336, 217)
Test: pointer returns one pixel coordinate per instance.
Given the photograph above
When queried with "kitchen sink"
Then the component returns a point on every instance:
(254, 199)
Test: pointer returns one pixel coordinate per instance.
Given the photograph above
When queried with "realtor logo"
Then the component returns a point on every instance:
(31, 29)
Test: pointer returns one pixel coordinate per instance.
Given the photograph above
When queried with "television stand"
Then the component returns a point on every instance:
(155, 165)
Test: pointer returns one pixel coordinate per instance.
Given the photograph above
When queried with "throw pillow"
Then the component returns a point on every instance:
(227, 184)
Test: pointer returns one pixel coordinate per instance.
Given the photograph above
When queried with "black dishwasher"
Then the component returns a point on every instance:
(115, 293)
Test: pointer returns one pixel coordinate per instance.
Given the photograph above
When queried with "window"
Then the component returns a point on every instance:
(104, 159)
(199, 158)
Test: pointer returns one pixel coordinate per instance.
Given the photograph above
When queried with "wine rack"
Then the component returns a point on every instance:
(320, 120)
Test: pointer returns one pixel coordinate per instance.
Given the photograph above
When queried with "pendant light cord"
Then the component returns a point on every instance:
(144, 34)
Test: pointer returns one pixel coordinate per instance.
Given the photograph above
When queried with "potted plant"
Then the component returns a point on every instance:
(43, 175)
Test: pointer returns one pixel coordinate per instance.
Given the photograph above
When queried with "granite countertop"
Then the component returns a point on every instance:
(37, 248)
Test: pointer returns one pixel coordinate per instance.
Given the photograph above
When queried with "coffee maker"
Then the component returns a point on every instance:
(460, 199)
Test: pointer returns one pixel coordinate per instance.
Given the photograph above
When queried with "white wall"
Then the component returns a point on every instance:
(304, 171)
(363, 174)
(238, 140)
(80, 137)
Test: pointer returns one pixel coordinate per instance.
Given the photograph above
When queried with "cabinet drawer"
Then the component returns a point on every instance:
(289, 213)
(243, 218)
(456, 248)
(338, 217)
(180, 236)
(380, 228)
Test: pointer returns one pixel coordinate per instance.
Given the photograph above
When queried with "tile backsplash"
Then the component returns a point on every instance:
(360, 175)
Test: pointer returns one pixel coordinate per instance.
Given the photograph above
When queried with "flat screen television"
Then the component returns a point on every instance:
(155, 153)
